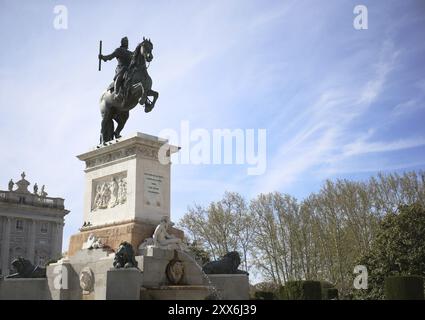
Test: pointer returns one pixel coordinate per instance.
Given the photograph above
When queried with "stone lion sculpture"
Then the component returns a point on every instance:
(25, 269)
(124, 256)
(228, 264)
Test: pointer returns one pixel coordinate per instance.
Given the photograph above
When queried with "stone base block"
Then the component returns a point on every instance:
(176, 293)
(123, 284)
(95, 263)
(134, 232)
(231, 286)
(153, 263)
(24, 289)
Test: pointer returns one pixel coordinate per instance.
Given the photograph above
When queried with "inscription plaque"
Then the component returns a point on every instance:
(153, 190)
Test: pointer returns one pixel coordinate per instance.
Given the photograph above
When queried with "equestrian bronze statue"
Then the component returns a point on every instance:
(132, 85)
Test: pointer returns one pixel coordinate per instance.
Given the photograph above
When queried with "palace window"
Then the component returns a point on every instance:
(44, 227)
(19, 225)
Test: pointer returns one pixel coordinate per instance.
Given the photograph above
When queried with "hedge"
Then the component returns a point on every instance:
(404, 288)
(301, 290)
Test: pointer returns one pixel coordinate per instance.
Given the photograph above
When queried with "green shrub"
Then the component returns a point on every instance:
(281, 294)
(264, 295)
(301, 290)
(398, 249)
(329, 294)
(404, 288)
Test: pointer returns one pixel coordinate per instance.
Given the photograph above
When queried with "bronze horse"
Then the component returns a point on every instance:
(137, 88)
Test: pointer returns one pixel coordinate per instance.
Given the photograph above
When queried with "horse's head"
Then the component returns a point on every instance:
(146, 49)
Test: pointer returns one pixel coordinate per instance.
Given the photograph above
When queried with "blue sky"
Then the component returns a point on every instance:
(336, 102)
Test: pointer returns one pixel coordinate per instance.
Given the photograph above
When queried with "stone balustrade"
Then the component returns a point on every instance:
(31, 200)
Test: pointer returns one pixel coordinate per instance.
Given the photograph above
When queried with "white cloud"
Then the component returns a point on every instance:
(325, 127)
(371, 167)
(407, 108)
(361, 147)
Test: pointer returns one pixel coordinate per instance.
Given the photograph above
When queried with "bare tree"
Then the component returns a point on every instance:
(319, 238)
(222, 227)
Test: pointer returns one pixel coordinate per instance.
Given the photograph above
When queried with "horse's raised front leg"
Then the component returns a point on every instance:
(155, 95)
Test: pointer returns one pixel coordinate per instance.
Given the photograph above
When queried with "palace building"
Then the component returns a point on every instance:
(31, 225)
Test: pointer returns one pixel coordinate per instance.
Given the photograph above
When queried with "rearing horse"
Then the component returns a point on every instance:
(137, 89)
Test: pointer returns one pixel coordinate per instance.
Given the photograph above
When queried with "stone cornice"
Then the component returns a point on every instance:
(14, 209)
(22, 216)
(137, 145)
(120, 223)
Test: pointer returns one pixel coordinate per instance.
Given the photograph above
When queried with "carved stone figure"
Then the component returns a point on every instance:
(124, 256)
(103, 197)
(227, 265)
(36, 189)
(161, 237)
(148, 242)
(25, 269)
(110, 194)
(11, 184)
(136, 88)
(43, 192)
(92, 243)
(106, 195)
(113, 200)
(122, 191)
(86, 280)
(96, 201)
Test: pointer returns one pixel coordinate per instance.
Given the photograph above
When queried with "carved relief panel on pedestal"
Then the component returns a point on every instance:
(109, 192)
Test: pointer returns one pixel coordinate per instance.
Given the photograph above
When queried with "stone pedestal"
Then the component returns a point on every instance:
(231, 286)
(133, 231)
(127, 191)
(81, 277)
(176, 293)
(123, 284)
(24, 289)
(153, 263)
(161, 274)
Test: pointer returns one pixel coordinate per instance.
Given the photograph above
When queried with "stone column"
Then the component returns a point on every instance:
(31, 241)
(5, 247)
(56, 248)
(60, 238)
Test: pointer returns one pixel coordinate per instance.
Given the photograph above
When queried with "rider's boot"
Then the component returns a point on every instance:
(117, 90)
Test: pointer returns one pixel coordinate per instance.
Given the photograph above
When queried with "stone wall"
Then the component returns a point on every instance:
(88, 275)
(24, 289)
